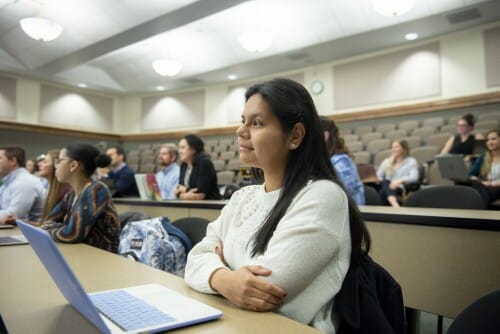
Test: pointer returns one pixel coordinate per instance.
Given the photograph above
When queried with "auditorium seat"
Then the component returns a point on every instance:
(146, 159)
(363, 129)
(433, 122)
(228, 155)
(219, 165)
(362, 157)
(385, 127)
(446, 197)
(233, 164)
(378, 145)
(211, 142)
(355, 146)
(147, 168)
(225, 177)
(344, 131)
(424, 154)
(226, 142)
(219, 148)
(408, 125)
(489, 116)
(424, 132)
(438, 140)
(380, 156)
(371, 136)
(484, 126)
(454, 119)
(351, 138)
(371, 196)
(143, 147)
(396, 134)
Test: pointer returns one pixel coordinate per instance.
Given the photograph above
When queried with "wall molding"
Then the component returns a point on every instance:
(399, 110)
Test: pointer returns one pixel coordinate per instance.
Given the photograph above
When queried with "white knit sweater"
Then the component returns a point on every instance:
(308, 253)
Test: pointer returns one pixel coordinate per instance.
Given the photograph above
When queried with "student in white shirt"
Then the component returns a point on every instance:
(285, 245)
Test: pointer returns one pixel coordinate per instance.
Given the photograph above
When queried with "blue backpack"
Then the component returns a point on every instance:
(157, 243)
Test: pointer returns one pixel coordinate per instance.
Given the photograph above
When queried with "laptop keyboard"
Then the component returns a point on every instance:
(128, 312)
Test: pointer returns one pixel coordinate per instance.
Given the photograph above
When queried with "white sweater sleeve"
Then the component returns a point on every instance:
(310, 249)
(202, 260)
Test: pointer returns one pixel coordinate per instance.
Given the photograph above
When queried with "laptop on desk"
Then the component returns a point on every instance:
(147, 308)
(452, 167)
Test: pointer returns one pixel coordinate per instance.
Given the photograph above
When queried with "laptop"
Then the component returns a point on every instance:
(148, 187)
(147, 308)
(452, 167)
(7, 240)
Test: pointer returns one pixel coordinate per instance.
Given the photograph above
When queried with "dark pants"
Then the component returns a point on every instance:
(385, 191)
(488, 194)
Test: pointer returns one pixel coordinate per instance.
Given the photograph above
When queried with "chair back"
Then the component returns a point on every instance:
(371, 196)
(131, 216)
(479, 317)
(447, 197)
(194, 227)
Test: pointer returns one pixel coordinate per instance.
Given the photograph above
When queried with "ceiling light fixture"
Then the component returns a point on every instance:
(41, 29)
(256, 41)
(82, 85)
(411, 36)
(232, 77)
(167, 67)
(160, 88)
(392, 7)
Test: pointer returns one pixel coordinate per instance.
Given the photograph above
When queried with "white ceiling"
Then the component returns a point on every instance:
(110, 44)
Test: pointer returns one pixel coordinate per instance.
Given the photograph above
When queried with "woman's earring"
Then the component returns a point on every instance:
(293, 146)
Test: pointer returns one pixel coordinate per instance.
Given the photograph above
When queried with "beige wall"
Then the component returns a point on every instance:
(462, 72)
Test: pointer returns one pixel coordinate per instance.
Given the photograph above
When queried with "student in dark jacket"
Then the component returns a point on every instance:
(122, 176)
(198, 179)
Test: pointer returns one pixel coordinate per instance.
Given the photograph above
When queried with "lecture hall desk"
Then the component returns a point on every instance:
(31, 303)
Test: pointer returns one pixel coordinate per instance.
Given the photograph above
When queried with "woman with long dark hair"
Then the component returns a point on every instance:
(197, 179)
(285, 245)
(86, 213)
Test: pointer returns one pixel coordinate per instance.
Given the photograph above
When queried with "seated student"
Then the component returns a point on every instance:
(342, 163)
(21, 194)
(486, 169)
(56, 190)
(198, 179)
(86, 213)
(463, 141)
(121, 175)
(31, 166)
(396, 171)
(284, 245)
(168, 176)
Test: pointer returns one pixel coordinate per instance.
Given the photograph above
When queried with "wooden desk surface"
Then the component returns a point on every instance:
(31, 303)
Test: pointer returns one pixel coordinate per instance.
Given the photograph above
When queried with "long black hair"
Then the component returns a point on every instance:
(291, 103)
(88, 156)
(197, 144)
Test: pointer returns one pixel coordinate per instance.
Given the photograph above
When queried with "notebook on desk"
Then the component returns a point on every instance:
(148, 187)
(147, 308)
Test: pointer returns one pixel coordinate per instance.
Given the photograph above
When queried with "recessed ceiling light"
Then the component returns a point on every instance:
(411, 36)
(82, 85)
(232, 77)
(160, 88)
